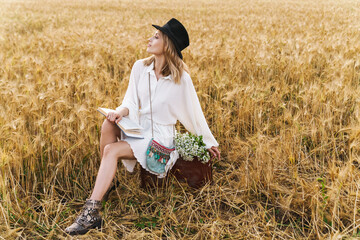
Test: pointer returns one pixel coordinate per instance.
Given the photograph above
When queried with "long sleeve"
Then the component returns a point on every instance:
(191, 115)
(131, 100)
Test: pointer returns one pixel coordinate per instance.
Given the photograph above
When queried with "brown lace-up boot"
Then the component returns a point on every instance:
(89, 218)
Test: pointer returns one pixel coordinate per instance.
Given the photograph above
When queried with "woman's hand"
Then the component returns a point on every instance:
(214, 152)
(114, 117)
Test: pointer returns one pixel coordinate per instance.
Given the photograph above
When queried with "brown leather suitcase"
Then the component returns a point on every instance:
(195, 173)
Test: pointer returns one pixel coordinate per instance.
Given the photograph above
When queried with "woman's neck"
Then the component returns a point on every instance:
(158, 65)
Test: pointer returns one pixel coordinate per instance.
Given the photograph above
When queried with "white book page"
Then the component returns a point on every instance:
(133, 135)
(125, 122)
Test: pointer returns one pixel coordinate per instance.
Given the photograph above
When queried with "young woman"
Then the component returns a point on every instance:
(164, 77)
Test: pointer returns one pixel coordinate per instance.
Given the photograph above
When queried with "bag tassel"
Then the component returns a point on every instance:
(158, 155)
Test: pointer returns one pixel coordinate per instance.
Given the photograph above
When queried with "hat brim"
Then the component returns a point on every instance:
(165, 31)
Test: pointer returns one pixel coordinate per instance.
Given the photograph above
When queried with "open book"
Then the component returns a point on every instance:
(128, 127)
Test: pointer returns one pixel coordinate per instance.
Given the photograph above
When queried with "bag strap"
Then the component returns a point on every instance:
(152, 124)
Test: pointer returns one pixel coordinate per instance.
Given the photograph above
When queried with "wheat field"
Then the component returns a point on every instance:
(279, 84)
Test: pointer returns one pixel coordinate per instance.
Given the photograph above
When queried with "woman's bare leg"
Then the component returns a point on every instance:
(109, 134)
(111, 153)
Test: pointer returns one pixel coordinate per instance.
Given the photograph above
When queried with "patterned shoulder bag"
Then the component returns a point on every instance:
(157, 155)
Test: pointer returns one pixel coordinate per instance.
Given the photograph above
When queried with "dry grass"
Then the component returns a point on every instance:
(279, 82)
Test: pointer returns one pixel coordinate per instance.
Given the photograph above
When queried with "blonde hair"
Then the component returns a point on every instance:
(174, 65)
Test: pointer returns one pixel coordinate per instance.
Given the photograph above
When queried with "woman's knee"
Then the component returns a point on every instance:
(117, 150)
(109, 151)
(108, 127)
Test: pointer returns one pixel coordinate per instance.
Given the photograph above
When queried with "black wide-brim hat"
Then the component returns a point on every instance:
(177, 33)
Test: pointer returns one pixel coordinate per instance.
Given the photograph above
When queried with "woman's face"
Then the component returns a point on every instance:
(156, 44)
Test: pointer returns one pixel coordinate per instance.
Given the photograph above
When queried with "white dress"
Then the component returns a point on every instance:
(170, 102)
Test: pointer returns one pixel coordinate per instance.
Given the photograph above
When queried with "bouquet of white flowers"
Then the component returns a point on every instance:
(190, 146)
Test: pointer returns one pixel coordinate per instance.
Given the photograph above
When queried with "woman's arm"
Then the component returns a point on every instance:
(118, 114)
(190, 114)
(124, 111)
(130, 104)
